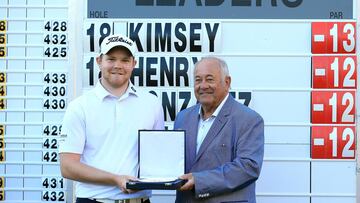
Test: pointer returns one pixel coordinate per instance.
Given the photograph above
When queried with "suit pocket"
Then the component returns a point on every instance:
(223, 153)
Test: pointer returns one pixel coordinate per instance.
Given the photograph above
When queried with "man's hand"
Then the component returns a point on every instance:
(73, 169)
(121, 183)
(189, 185)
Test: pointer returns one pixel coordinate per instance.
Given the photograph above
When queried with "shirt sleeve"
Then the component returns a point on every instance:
(72, 138)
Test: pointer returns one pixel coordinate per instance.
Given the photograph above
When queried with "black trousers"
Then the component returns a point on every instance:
(87, 200)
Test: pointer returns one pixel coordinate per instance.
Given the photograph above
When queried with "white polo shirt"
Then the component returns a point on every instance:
(104, 130)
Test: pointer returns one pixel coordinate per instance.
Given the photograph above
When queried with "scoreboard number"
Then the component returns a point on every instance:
(90, 67)
(2, 131)
(55, 39)
(2, 103)
(2, 90)
(2, 38)
(3, 28)
(50, 143)
(2, 155)
(53, 196)
(52, 182)
(2, 182)
(50, 156)
(52, 104)
(2, 185)
(55, 78)
(331, 142)
(2, 77)
(95, 34)
(333, 107)
(2, 52)
(55, 26)
(334, 72)
(55, 52)
(54, 91)
(330, 37)
(2, 25)
(2, 144)
(242, 97)
(91, 73)
(52, 130)
(2, 195)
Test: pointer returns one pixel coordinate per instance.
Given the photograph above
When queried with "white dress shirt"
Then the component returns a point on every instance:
(205, 125)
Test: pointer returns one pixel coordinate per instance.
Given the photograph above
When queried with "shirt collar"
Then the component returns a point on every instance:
(217, 110)
(102, 93)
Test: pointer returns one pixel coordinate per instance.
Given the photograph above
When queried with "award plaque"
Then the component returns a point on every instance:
(161, 160)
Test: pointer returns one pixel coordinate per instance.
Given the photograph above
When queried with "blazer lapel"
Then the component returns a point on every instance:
(214, 130)
(191, 137)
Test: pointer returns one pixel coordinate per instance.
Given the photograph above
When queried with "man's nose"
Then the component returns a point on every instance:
(118, 64)
(203, 84)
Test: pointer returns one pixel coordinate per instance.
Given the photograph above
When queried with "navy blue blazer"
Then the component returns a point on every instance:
(230, 157)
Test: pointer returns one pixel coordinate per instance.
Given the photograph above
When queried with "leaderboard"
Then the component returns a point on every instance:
(333, 103)
(293, 61)
(33, 97)
(334, 83)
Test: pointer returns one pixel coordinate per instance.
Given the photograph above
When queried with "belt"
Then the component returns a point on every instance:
(115, 201)
(135, 200)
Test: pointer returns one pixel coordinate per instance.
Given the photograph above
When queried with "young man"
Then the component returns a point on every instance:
(224, 143)
(98, 146)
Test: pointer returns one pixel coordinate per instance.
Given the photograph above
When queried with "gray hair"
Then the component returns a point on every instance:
(223, 66)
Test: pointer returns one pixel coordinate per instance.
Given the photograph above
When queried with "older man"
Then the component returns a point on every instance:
(225, 140)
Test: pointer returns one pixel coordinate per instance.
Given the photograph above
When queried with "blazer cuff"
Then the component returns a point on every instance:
(201, 191)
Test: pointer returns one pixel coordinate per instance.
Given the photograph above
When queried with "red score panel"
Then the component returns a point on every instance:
(334, 72)
(333, 37)
(330, 107)
(333, 142)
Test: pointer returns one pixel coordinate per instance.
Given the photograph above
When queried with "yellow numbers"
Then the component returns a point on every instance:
(2, 25)
(2, 77)
(2, 103)
(2, 131)
(2, 90)
(2, 182)
(2, 52)
(2, 155)
(2, 195)
(3, 41)
(2, 38)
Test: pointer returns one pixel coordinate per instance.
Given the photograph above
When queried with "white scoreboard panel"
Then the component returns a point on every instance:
(299, 71)
(33, 98)
(293, 61)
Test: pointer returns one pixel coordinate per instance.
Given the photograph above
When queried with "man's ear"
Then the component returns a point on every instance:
(135, 62)
(228, 81)
(98, 60)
